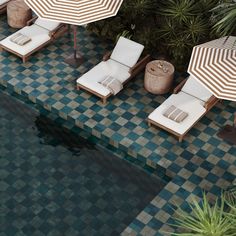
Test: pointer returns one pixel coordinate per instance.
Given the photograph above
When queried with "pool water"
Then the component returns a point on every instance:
(54, 182)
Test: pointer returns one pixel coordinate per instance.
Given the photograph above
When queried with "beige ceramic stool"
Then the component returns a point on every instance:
(158, 76)
(18, 13)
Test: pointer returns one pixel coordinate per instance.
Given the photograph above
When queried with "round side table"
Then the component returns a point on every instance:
(18, 13)
(158, 76)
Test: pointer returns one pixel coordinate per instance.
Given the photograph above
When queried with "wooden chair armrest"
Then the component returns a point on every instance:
(106, 56)
(3, 7)
(58, 28)
(140, 65)
(211, 102)
(179, 86)
(31, 21)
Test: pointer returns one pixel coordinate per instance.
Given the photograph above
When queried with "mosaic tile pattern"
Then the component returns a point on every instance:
(201, 161)
(56, 183)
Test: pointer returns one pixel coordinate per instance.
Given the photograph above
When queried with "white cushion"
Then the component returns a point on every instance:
(47, 24)
(3, 1)
(127, 52)
(196, 89)
(38, 37)
(98, 73)
(193, 106)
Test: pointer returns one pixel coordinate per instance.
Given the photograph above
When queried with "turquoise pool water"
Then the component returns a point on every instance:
(54, 182)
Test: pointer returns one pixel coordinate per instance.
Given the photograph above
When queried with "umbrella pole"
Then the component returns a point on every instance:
(228, 133)
(75, 43)
(75, 59)
(235, 120)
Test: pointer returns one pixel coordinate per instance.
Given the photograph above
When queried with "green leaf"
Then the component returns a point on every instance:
(205, 220)
(225, 14)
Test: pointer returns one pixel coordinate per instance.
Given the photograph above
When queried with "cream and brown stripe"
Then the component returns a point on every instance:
(214, 65)
(175, 114)
(76, 12)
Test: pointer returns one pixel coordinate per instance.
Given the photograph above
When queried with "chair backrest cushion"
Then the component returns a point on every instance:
(47, 24)
(127, 52)
(3, 1)
(195, 88)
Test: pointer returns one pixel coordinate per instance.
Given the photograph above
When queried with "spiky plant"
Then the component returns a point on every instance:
(185, 24)
(170, 27)
(205, 220)
(178, 10)
(132, 18)
(230, 197)
(196, 29)
(206, 6)
(147, 37)
(225, 14)
(138, 8)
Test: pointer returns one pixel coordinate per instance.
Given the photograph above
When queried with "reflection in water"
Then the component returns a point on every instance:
(57, 183)
(52, 134)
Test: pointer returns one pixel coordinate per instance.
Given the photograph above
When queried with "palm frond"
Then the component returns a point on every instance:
(225, 14)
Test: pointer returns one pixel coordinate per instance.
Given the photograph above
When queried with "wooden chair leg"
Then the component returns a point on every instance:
(104, 101)
(180, 138)
(77, 87)
(149, 124)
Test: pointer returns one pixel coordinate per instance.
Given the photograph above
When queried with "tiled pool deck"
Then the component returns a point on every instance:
(201, 162)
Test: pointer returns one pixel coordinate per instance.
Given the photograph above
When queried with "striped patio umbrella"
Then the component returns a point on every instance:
(214, 65)
(75, 12)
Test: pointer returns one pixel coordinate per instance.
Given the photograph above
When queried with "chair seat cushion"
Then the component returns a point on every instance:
(92, 79)
(185, 102)
(38, 37)
(196, 89)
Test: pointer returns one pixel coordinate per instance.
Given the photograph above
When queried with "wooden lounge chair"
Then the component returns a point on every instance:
(3, 5)
(122, 64)
(41, 32)
(189, 96)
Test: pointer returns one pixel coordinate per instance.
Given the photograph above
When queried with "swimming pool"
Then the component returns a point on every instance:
(54, 182)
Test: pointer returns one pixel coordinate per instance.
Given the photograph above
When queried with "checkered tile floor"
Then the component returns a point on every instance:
(50, 177)
(201, 161)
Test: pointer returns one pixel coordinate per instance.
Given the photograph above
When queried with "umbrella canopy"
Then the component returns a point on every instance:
(75, 12)
(214, 65)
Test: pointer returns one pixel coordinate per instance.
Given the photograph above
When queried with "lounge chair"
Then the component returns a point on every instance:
(122, 64)
(41, 32)
(3, 5)
(191, 97)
